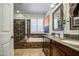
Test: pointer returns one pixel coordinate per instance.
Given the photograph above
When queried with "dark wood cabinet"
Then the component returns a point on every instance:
(65, 49)
(54, 48)
(57, 49)
(57, 52)
(50, 49)
(47, 46)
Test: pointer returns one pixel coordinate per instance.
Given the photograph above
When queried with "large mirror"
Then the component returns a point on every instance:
(58, 19)
(74, 16)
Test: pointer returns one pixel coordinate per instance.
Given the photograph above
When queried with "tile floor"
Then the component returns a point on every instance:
(29, 52)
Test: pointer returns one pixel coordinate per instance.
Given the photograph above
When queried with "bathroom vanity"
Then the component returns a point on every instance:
(56, 46)
(60, 47)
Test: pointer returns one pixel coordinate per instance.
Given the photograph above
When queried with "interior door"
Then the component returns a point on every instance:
(6, 29)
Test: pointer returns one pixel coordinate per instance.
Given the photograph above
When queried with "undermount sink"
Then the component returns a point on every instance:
(73, 42)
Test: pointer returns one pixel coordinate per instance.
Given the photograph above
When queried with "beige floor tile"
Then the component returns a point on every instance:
(29, 52)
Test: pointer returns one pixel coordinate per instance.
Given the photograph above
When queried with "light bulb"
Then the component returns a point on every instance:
(17, 11)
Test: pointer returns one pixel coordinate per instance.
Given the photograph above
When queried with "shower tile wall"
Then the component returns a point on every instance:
(19, 29)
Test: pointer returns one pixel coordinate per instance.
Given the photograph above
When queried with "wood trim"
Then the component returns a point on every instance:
(61, 14)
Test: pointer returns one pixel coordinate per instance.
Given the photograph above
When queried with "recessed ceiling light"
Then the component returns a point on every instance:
(17, 11)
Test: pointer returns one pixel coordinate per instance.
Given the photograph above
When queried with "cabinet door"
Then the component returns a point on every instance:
(46, 46)
(57, 52)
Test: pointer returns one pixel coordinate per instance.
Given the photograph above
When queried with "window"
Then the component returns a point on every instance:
(40, 25)
(33, 25)
(37, 25)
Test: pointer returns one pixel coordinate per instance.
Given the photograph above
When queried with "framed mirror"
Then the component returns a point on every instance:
(74, 16)
(58, 19)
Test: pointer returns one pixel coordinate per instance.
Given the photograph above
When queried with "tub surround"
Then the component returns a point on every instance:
(29, 43)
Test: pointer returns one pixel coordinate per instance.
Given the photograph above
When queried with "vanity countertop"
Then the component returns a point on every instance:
(59, 40)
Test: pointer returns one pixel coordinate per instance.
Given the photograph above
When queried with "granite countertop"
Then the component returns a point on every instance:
(59, 40)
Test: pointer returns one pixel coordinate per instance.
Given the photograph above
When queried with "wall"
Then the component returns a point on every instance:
(50, 12)
(31, 16)
(66, 18)
(19, 16)
(28, 16)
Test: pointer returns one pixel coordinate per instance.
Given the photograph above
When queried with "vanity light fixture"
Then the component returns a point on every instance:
(52, 5)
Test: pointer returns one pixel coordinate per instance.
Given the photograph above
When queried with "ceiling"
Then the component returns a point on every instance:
(32, 8)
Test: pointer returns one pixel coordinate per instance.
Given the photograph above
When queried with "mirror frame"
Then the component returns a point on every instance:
(74, 25)
(61, 15)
